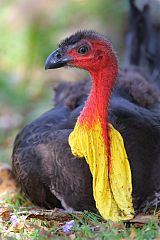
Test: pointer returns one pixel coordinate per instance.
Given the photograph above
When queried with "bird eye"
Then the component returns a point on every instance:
(83, 50)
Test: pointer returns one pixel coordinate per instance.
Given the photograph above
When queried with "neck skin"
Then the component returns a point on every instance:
(96, 107)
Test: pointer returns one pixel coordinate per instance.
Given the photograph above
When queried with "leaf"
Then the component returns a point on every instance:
(5, 213)
(56, 214)
(143, 219)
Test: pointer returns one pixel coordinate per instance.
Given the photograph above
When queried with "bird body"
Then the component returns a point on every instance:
(86, 163)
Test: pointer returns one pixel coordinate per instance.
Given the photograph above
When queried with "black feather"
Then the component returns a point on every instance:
(78, 36)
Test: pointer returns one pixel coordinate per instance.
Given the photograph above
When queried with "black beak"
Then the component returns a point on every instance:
(57, 59)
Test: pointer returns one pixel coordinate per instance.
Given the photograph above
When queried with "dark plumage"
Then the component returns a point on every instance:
(51, 176)
(133, 84)
(143, 45)
(42, 160)
(80, 35)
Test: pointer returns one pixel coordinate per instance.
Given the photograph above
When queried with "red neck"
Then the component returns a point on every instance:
(96, 107)
(98, 100)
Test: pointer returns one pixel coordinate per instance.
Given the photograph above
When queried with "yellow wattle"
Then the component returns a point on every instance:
(112, 188)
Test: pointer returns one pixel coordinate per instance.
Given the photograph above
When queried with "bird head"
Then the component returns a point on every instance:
(84, 49)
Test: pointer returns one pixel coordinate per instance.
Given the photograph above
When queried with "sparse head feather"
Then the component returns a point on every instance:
(85, 34)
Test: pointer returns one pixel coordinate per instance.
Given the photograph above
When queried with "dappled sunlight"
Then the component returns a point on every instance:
(29, 31)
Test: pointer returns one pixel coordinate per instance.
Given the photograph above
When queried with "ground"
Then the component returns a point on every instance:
(20, 219)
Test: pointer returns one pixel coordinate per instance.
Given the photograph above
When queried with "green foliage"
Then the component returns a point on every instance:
(29, 32)
(26, 38)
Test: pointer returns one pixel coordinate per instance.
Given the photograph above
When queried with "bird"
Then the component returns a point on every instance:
(103, 154)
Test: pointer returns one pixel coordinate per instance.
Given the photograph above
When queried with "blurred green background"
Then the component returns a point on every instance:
(29, 31)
